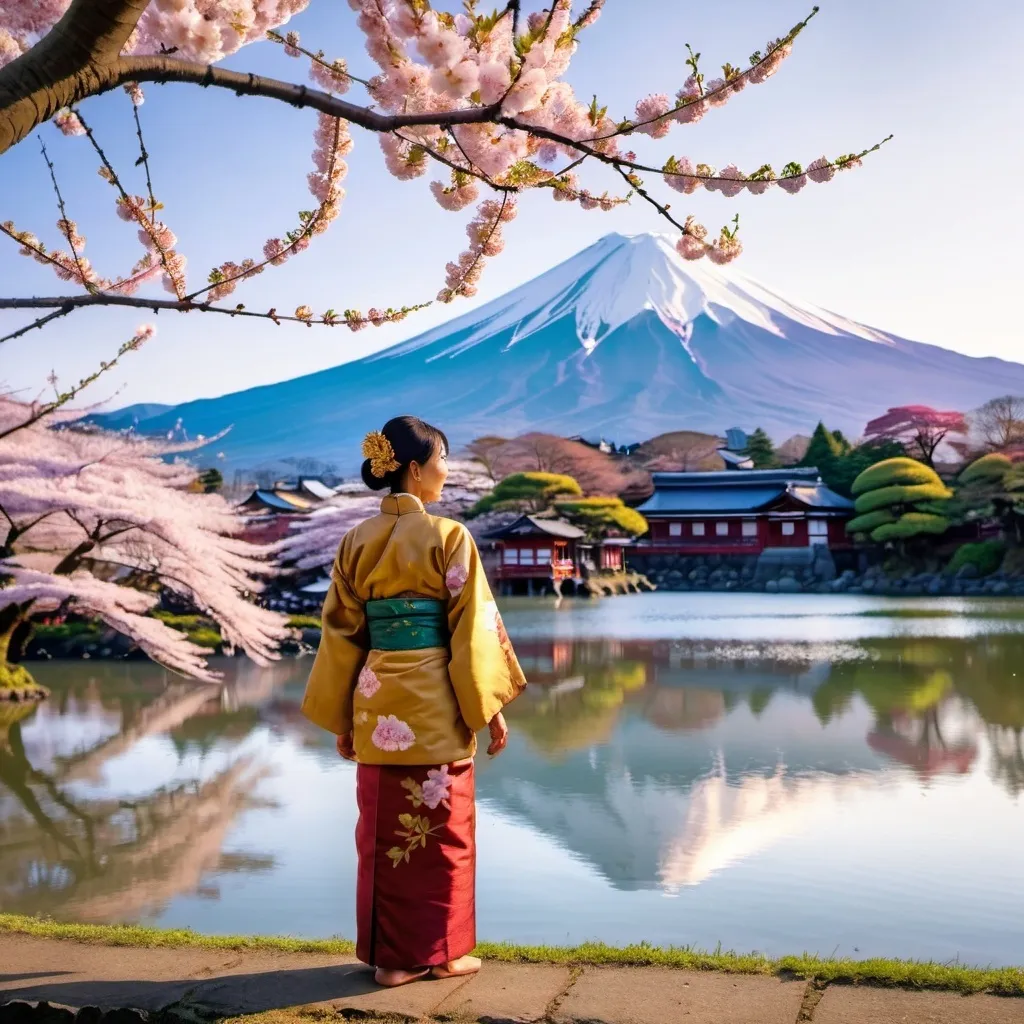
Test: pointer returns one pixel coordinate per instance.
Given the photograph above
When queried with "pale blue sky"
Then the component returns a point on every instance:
(923, 241)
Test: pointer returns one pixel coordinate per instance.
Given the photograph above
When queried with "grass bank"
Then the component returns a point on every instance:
(953, 977)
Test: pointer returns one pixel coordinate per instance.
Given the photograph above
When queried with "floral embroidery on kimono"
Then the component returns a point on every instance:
(415, 828)
(455, 579)
(392, 734)
(368, 683)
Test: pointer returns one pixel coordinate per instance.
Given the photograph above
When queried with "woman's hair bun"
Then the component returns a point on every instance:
(375, 483)
(400, 441)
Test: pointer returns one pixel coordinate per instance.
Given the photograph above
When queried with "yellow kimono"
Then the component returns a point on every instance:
(411, 707)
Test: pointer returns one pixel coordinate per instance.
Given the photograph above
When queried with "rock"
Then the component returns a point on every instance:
(1000, 587)
(936, 586)
(788, 585)
(733, 575)
(855, 590)
(771, 587)
(719, 586)
(868, 586)
(967, 572)
(913, 590)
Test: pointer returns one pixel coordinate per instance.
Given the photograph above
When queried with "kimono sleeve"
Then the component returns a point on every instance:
(342, 653)
(484, 670)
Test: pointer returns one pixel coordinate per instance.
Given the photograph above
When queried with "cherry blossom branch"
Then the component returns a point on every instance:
(130, 209)
(69, 303)
(162, 70)
(337, 70)
(66, 226)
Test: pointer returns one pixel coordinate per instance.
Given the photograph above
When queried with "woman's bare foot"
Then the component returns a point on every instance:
(394, 978)
(457, 968)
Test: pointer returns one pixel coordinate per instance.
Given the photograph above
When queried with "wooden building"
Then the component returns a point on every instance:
(536, 552)
(743, 512)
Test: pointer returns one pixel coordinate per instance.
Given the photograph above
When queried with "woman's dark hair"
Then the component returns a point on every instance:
(412, 441)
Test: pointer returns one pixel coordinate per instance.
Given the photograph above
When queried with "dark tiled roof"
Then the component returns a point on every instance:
(522, 526)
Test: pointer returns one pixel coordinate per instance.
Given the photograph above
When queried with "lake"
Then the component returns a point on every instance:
(783, 774)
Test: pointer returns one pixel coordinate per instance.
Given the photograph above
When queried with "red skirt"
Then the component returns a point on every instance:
(416, 882)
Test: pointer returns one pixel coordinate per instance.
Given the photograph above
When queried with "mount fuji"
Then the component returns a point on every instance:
(625, 340)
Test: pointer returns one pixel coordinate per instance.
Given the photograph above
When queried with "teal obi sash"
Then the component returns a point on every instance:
(407, 624)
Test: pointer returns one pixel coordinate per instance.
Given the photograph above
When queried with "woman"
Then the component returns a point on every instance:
(413, 662)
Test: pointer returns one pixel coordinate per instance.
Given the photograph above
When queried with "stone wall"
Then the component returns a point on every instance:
(810, 570)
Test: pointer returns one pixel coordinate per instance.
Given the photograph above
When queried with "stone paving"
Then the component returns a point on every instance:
(199, 984)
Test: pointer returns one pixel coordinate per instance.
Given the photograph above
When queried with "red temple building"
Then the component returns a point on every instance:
(743, 512)
(536, 554)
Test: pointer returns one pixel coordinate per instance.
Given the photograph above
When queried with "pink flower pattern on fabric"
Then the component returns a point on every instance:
(392, 734)
(368, 683)
(455, 579)
(437, 788)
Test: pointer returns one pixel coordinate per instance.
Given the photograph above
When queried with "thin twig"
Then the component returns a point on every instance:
(69, 303)
(146, 222)
(144, 157)
(65, 231)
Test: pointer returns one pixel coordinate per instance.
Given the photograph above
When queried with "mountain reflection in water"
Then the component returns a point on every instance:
(655, 766)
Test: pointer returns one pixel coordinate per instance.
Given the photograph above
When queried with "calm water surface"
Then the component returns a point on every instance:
(772, 773)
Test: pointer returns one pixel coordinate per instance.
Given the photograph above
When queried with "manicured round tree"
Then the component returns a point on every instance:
(530, 492)
(600, 517)
(897, 500)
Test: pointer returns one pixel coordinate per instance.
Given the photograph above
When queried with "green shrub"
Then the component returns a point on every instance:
(538, 489)
(66, 630)
(901, 494)
(910, 525)
(988, 467)
(599, 515)
(986, 556)
(867, 522)
(900, 471)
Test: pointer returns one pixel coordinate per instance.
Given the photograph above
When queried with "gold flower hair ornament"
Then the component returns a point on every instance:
(377, 448)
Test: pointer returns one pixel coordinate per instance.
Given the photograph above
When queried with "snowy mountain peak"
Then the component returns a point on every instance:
(616, 279)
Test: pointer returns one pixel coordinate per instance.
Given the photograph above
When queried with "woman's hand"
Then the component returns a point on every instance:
(345, 748)
(499, 734)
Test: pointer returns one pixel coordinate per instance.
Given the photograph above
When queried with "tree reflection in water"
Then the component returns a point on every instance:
(658, 762)
(103, 858)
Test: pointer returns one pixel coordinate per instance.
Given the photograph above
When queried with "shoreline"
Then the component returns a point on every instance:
(877, 972)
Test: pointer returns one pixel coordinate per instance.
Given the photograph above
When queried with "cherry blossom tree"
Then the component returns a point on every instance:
(482, 98)
(96, 523)
(313, 540)
(919, 428)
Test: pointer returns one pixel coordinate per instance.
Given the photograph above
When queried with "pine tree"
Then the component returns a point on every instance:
(823, 449)
(760, 450)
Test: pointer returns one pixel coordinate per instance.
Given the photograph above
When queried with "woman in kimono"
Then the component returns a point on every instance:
(413, 662)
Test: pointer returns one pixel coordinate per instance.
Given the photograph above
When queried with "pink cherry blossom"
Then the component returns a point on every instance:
(821, 170)
(73, 495)
(437, 789)
(392, 734)
(690, 248)
(651, 115)
(455, 579)
(368, 683)
(792, 185)
(67, 121)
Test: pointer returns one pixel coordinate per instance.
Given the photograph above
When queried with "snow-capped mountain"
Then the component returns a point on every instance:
(625, 340)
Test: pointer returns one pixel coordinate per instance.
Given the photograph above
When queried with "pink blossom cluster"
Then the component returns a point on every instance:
(197, 30)
(485, 240)
(312, 542)
(566, 189)
(680, 174)
(333, 143)
(461, 193)
(693, 244)
(79, 496)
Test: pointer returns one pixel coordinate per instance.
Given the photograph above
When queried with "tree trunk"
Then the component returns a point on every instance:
(78, 57)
